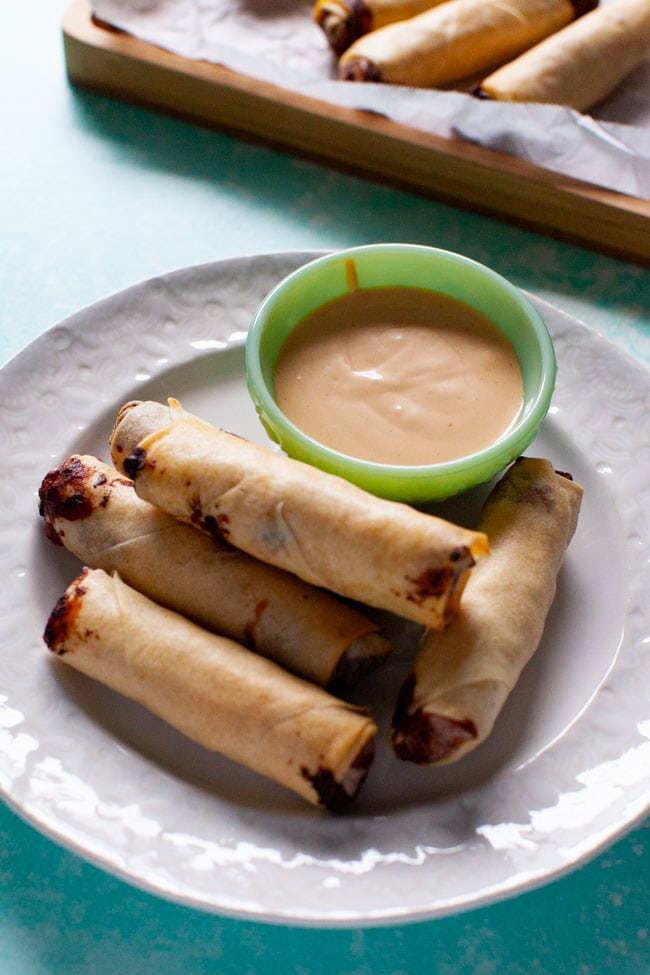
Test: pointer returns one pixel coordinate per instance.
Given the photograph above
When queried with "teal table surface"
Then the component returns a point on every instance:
(97, 196)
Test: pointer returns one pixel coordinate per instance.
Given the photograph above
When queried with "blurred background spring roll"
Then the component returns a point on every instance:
(213, 690)
(342, 21)
(462, 677)
(582, 63)
(455, 40)
(95, 513)
(319, 527)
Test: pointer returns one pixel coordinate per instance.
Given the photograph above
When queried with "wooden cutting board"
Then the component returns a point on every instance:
(109, 61)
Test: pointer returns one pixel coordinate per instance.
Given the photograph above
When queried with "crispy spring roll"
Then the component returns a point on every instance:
(319, 527)
(582, 63)
(455, 40)
(461, 678)
(342, 21)
(95, 513)
(213, 690)
(135, 421)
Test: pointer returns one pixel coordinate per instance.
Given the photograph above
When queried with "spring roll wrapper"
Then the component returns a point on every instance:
(319, 527)
(95, 513)
(462, 677)
(453, 41)
(342, 21)
(581, 64)
(212, 689)
(135, 420)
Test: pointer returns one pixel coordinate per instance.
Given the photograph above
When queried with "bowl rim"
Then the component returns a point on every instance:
(523, 427)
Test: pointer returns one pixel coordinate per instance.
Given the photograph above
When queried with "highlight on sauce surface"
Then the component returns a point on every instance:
(399, 375)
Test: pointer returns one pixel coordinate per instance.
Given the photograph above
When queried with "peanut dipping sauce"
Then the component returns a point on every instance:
(399, 375)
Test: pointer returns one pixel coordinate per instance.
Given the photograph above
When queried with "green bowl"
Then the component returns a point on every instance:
(380, 265)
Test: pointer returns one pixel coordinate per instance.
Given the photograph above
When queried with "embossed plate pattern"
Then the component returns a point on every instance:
(564, 773)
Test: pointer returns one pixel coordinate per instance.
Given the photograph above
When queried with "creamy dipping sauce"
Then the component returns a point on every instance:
(399, 375)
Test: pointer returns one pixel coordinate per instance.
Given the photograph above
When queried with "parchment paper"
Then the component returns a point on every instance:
(277, 41)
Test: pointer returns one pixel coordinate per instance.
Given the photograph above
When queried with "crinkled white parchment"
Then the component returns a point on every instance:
(277, 41)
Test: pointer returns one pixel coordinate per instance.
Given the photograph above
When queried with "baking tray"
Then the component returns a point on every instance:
(109, 61)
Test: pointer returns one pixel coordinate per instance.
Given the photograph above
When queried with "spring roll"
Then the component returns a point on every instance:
(461, 678)
(213, 690)
(342, 21)
(135, 421)
(455, 40)
(315, 525)
(95, 513)
(582, 63)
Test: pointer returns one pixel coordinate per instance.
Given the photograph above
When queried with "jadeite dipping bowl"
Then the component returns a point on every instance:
(381, 265)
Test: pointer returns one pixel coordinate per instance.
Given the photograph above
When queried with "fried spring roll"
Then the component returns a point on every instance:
(95, 513)
(135, 421)
(455, 40)
(213, 690)
(342, 21)
(461, 678)
(319, 527)
(581, 64)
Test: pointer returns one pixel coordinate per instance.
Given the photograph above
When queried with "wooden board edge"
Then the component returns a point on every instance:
(111, 62)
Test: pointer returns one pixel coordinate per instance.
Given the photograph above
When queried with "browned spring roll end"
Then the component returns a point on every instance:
(61, 620)
(342, 22)
(424, 737)
(64, 494)
(337, 796)
(360, 69)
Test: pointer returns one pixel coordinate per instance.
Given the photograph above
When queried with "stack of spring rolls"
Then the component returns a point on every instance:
(216, 585)
(566, 52)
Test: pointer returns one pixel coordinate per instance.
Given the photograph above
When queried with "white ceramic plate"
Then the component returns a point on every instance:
(564, 773)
